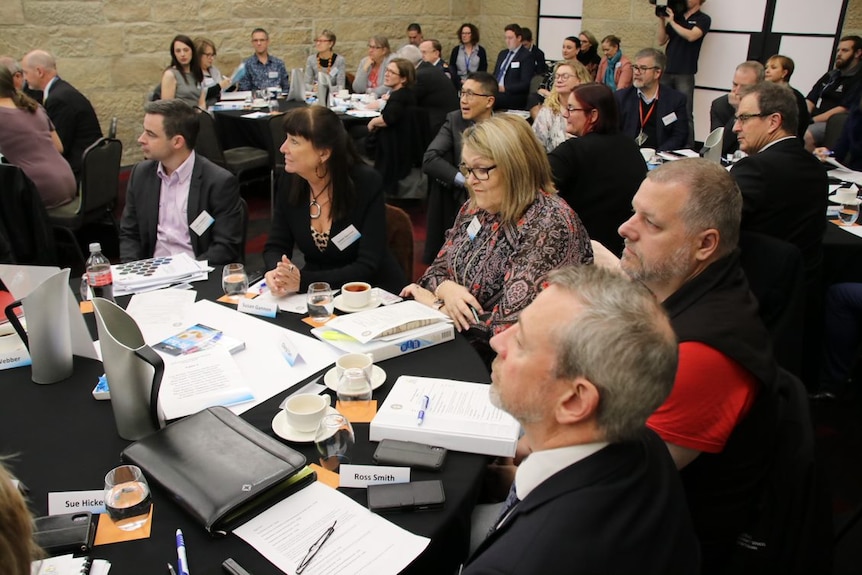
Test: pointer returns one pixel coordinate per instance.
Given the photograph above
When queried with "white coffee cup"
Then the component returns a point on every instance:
(304, 411)
(358, 360)
(356, 294)
(845, 196)
(343, 94)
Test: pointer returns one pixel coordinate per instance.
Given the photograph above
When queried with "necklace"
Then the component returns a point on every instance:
(311, 213)
(329, 62)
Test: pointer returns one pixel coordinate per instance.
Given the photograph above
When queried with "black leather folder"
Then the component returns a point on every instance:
(219, 468)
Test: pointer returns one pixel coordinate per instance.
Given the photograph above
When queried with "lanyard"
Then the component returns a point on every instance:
(649, 113)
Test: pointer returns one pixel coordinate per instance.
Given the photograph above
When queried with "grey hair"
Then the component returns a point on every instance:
(622, 342)
(775, 99)
(657, 56)
(714, 198)
(410, 53)
(11, 64)
(755, 67)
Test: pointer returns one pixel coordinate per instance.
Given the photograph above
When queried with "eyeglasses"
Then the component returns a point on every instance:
(481, 174)
(371, 47)
(469, 94)
(563, 77)
(259, 40)
(567, 111)
(644, 68)
(209, 54)
(743, 118)
(322, 40)
(388, 71)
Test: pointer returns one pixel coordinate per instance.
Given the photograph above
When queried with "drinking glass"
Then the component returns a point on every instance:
(353, 386)
(127, 497)
(848, 214)
(320, 302)
(334, 440)
(234, 280)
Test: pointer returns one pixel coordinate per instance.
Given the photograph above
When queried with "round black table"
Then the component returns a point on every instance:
(64, 440)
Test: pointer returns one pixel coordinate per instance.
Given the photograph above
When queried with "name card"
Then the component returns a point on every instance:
(76, 501)
(265, 308)
(365, 475)
(289, 352)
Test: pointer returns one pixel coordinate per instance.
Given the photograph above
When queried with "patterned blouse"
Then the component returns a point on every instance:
(504, 266)
(550, 128)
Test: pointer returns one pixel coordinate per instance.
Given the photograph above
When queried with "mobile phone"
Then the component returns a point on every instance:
(414, 496)
(68, 533)
(412, 454)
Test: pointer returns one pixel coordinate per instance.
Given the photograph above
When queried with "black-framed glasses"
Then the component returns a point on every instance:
(567, 111)
(644, 68)
(564, 77)
(481, 174)
(743, 118)
(370, 47)
(394, 72)
(470, 94)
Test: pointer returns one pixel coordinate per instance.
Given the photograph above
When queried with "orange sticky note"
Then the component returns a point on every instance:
(108, 532)
(313, 323)
(86, 306)
(326, 476)
(234, 299)
(357, 411)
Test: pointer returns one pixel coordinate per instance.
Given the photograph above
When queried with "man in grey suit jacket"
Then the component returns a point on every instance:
(446, 191)
(177, 201)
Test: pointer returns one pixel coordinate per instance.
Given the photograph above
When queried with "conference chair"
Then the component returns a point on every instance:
(834, 126)
(398, 152)
(399, 238)
(25, 233)
(277, 137)
(247, 163)
(97, 193)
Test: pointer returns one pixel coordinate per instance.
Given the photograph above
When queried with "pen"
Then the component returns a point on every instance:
(234, 568)
(420, 417)
(182, 561)
(171, 569)
(315, 547)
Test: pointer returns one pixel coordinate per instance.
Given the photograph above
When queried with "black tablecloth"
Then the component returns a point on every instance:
(64, 440)
(842, 256)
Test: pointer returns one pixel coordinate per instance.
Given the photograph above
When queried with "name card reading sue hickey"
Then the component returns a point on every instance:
(76, 501)
(365, 475)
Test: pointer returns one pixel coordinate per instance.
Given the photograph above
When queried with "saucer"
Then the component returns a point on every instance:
(283, 429)
(378, 376)
(341, 306)
(853, 202)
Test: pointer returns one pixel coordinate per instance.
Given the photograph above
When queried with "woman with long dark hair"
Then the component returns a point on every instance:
(183, 78)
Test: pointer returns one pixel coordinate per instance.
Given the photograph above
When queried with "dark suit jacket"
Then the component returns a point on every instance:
(521, 70)
(784, 191)
(539, 58)
(598, 175)
(211, 188)
(367, 259)
(444, 196)
(436, 93)
(672, 136)
(75, 120)
(620, 510)
(722, 115)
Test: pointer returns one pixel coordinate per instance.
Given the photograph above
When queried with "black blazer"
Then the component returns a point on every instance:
(620, 510)
(453, 63)
(598, 175)
(521, 70)
(211, 188)
(672, 136)
(75, 120)
(435, 92)
(722, 115)
(784, 190)
(367, 259)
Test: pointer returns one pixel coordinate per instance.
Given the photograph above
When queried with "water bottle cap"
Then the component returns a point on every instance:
(95, 247)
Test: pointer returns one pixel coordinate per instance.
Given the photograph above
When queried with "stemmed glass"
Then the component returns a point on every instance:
(234, 280)
(334, 440)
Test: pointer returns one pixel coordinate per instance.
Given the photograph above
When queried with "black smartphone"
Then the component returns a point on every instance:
(414, 496)
(409, 453)
(68, 533)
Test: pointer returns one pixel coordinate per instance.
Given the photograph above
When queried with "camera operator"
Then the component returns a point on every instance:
(682, 35)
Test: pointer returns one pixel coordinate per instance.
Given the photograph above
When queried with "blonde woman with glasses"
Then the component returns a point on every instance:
(325, 61)
(550, 125)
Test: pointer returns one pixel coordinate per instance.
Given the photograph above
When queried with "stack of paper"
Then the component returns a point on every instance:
(459, 416)
(155, 273)
(385, 321)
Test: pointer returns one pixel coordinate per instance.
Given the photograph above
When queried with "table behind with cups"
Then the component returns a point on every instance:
(64, 440)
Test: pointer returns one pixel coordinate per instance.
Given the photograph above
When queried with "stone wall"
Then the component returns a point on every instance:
(114, 51)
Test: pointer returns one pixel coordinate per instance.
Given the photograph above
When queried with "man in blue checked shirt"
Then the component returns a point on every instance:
(263, 70)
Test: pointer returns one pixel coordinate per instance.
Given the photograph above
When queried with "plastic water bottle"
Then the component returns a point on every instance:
(99, 273)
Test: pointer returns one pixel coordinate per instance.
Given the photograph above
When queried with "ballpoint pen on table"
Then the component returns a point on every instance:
(182, 561)
(423, 407)
(171, 569)
(315, 547)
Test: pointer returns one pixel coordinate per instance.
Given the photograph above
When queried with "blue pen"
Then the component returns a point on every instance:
(420, 417)
(182, 561)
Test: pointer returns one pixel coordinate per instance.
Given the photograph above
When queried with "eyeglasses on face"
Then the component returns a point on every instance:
(373, 47)
(481, 174)
(644, 68)
(563, 77)
(393, 72)
(469, 94)
(209, 54)
(322, 40)
(567, 111)
(743, 118)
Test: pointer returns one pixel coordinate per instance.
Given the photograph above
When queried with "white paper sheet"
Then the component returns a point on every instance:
(161, 314)
(856, 230)
(362, 542)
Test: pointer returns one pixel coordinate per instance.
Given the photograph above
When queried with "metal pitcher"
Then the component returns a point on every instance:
(134, 371)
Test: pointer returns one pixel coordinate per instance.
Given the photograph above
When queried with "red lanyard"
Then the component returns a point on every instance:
(649, 113)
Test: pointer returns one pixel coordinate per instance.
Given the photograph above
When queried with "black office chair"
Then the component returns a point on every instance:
(399, 149)
(97, 192)
(247, 163)
(25, 233)
(277, 137)
(834, 126)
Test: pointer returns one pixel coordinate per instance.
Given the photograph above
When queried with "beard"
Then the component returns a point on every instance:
(674, 265)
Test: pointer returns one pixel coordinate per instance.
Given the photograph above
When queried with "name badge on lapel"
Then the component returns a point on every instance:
(346, 237)
(515, 65)
(202, 223)
(669, 119)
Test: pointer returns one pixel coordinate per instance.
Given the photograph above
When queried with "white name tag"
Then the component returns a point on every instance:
(209, 82)
(669, 119)
(474, 227)
(76, 501)
(265, 308)
(288, 351)
(202, 223)
(272, 75)
(515, 65)
(346, 237)
(365, 475)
